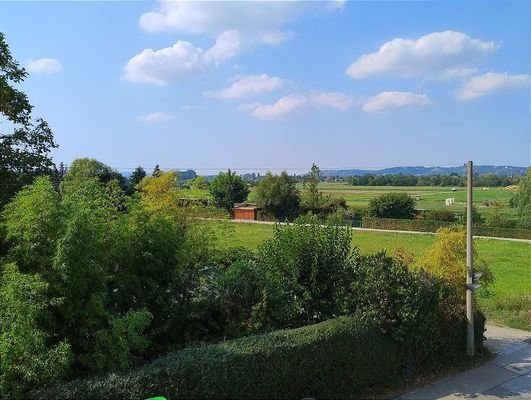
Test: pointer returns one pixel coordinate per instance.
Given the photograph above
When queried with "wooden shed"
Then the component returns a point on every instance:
(245, 211)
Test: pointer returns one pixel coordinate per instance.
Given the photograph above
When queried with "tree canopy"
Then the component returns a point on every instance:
(228, 188)
(278, 195)
(25, 151)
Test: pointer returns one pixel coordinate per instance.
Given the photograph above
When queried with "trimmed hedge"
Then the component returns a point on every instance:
(333, 359)
(420, 225)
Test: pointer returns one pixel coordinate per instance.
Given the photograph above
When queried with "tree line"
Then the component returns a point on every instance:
(483, 180)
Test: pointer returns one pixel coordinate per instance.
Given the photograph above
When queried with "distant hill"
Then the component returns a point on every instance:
(419, 171)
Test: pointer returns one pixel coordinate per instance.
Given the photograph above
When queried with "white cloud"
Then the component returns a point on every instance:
(215, 17)
(189, 108)
(439, 55)
(227, 45)
(295, 103)
(331, 99)
(394, 100)
(164, 66)
(482, 85)
(44, 66)
(248, 86)
(156, 116)
(284, 106)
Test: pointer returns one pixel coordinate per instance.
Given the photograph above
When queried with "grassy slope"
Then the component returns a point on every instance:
(510, 303)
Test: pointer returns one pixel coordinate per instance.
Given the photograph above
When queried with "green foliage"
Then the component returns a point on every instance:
(25, 153)
(33, 223)
(522, 200)
(392, 205)
(306, 266)
(326, 360)
(312, 199)
(138, 174)
(477, 218)
(278, 195)
(83, 169)
(26, 359)
(440, 215)
(446, 259)
(228, 188)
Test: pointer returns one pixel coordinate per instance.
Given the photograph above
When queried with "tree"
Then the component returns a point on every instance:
(228, 188)
(278, 195)
(522, 200)
(26, 358)
(24, 153)
(159, 193)
(392, 205)
(446, 259)
(83, 169)
(312, 198)
(135, 178)
(156, 170)
(33, 222)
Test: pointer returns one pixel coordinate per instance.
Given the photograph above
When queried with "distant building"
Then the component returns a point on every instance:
(245, 211)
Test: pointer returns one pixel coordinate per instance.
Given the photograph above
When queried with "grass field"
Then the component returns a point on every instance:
(510, 301)
(431, 197)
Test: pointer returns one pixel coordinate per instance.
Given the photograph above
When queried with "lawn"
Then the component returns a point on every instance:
(510, 301)
(431, 197)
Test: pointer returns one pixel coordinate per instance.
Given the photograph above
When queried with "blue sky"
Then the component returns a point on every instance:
(251, 85)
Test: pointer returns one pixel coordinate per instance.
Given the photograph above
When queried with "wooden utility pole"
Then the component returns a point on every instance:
(469, 266)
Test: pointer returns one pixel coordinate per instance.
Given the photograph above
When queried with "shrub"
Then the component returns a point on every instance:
(440, 215)
(326, 360)
(278, 196)
(306, 266)
(392, 205)
(26, 358)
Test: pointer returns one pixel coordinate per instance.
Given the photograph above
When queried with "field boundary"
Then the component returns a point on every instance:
(247, 221)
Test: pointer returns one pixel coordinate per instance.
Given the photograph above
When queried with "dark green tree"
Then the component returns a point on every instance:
(137, 175)
(156, 171)
(24, 152)
(228, 188)
(392, 205)
(278, 195)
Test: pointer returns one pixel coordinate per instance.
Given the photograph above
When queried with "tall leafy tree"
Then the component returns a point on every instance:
(392, 205)
(228, 188)
(312, 198)
(278, 195)
(137, 175)
(83, 169)
(25, 151)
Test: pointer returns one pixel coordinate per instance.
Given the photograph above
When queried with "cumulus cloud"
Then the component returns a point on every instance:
(439, 55)
(164, 66)
(336, 100)
(394, 100)
(295, 103)
(284, 106)
(483, 85)
(215, 17)
(44, 66)
(249, 86)
(156, 116)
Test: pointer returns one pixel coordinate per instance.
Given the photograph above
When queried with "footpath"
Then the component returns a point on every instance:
(506, 376)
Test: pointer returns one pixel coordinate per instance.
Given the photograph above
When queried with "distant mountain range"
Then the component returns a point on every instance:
(419, 171)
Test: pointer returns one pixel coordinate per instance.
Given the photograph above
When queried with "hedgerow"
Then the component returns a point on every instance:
(332, 359)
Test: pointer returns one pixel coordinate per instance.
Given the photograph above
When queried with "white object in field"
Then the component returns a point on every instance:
(450, 201)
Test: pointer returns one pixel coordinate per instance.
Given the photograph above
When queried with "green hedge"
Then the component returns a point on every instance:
(333, 359)
(420, 225)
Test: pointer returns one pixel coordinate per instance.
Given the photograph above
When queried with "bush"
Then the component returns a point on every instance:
(392, 205)
(326, 360)
(306, 268)
(440, 215)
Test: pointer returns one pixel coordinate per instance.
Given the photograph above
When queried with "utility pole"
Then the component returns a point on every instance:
(470, 287)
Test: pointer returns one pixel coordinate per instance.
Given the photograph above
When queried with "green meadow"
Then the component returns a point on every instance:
(509, 300)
